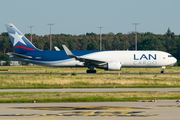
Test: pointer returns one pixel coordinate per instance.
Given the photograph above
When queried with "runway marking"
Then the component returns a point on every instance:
(90, 113)
(167, 106)
(84, 111)
(79, 108)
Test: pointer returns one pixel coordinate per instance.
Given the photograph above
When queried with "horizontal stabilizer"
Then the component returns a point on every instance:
(56, 48)
(19, 55)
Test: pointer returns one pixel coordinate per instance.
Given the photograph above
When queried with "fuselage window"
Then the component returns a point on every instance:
(170, 56)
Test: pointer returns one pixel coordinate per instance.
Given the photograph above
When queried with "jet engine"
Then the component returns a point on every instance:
(114, 65)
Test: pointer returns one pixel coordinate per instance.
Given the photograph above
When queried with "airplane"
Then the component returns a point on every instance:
(107, 60)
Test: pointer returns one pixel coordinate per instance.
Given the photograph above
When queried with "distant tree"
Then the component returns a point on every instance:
(110, 33)
(172, 35)
(91, 34)
(47, 46)
(148, 34)
(71, 44)
(5, 58)
(27, 35)
(152, 44)
(4, 34)
(4, 44)
(116, 43)
(93, 45)
(40, 46)
(168, 33)
(119, 34)
(1, 56)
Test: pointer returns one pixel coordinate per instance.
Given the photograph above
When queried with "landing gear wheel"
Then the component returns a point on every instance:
(94, 71)
(163, 68)
(91, 71)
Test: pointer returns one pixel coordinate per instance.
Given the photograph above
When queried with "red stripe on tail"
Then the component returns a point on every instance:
(25, 48)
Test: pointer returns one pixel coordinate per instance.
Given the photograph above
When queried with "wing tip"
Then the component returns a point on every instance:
(68, 52)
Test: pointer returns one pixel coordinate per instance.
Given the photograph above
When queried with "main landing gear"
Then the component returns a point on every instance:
(91, 71)
(162, 71)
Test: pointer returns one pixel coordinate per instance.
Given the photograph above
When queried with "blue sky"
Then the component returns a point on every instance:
(82, 16)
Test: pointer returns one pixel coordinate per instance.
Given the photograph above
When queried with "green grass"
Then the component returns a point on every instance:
(25, 97)
(74, 80)
(41, 69)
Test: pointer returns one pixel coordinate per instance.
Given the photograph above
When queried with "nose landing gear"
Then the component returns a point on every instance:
(163, 68)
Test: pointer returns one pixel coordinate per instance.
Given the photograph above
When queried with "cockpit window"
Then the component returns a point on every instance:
(170, 56)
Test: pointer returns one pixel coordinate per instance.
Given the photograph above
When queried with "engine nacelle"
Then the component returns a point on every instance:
(114, 65)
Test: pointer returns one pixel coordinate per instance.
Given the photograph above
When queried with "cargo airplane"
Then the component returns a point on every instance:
(107, 60)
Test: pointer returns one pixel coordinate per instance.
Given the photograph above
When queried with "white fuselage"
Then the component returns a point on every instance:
(127, 58)
(136, 58)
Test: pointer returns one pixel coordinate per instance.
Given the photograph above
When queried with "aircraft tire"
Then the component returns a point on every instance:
(88, 71)
(91, 71)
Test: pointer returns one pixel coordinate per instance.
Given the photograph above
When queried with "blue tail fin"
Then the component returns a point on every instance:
(20, 43)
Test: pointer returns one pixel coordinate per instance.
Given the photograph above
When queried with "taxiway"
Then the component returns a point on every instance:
(91, 90)
(161, 110)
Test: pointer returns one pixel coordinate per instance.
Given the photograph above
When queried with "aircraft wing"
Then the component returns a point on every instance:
(19, 55)
(83, 59)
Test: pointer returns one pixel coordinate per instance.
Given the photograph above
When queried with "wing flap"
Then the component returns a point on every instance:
(92, 61)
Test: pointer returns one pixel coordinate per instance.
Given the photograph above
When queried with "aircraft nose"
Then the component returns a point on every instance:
(174, 60)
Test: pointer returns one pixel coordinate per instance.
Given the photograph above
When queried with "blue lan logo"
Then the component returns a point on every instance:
(149, 57)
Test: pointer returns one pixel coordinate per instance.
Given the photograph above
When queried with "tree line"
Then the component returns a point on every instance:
(168, 42)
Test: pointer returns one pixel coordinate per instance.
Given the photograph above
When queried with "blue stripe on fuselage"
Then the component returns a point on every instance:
(55, 55)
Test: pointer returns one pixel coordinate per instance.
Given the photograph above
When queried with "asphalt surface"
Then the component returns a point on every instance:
(161, 110)
(91, 90)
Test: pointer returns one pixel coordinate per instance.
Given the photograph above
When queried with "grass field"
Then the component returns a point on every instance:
(72, 80)
(22, 97)
(41, 69)
(86, 81)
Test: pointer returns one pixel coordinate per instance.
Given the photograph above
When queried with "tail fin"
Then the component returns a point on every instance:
(20, 43)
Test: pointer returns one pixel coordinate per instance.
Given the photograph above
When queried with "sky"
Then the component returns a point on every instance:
(78, 17)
